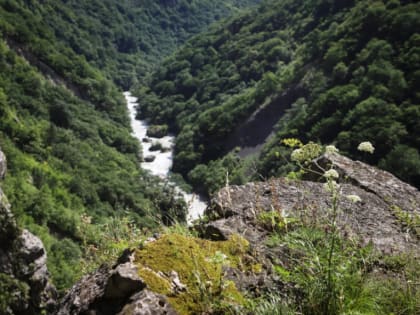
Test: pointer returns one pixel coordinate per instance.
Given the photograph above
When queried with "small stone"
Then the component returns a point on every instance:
(177, 285)
(149, 158)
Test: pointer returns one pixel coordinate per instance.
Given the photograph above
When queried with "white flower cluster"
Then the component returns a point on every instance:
(331, 174)
(331, 186)
(297, 155)
(366, 146)
(354, 198)
(331, 149)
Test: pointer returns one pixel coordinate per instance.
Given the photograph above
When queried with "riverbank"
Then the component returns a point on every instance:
(159, 163)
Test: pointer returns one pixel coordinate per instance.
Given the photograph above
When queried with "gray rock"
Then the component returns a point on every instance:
(236, 208)
(2, 165)
(84, 293)
(149, 158)
(31, 254)
(106, 291)
(123, 281)
(177, 285)
(147, 303)
(6, 265)
(381, 183)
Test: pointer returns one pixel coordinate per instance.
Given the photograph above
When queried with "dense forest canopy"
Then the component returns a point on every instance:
(64, 125)
(336, 72)
(122, 38)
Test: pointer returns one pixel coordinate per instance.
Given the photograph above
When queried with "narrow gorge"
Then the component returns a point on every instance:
(159, 162)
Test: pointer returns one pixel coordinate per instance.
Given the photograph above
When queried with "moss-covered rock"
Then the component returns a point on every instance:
(200, 265)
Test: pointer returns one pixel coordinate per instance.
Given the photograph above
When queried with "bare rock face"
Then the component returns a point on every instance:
(25, 284)
(384, 216)
(386, 186)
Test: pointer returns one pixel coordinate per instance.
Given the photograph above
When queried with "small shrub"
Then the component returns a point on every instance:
(157, 131)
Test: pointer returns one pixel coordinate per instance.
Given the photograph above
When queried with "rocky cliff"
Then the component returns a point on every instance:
(25, 286)
(388, 214)
(174, 273)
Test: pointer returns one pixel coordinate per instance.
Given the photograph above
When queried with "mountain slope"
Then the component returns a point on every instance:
(73, 165)
(124, 39)
(329, 71)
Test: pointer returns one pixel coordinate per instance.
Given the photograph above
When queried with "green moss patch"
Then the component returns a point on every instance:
(199, 264)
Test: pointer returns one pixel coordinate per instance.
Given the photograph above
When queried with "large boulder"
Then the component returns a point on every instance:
(386, 216)
(110, 291)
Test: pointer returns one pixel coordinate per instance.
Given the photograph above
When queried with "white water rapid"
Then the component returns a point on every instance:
(162, 163)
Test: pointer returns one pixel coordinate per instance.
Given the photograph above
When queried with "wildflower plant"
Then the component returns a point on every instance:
(366, 146)
(330, 149)
(331, 174)
(354, 198)
(331, 261)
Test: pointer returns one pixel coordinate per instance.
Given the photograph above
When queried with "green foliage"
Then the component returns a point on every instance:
(157, 131)
(270, 305)
(275, 221)
(13, 294)
(404, 162)
(399, 293)
(209, 178)
(123, 39)
(67, 157)
(342, 71)
(331, 270)
(104, 243)
(348, 294)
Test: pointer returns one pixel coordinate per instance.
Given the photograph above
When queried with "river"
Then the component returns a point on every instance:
(162, 163)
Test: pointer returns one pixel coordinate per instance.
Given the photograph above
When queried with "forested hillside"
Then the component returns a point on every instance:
(72, 164)
(122, 38)
(330, 71)
(67, 159)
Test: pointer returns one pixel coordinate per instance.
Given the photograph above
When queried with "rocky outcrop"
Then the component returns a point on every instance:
(374, 207)
(387, 214)
(109, 291)
(24, 283)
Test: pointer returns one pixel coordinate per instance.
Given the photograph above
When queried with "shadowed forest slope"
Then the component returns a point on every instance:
(341, 72)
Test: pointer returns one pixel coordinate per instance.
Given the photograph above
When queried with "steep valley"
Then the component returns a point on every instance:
(297, 121)
(64, 124)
